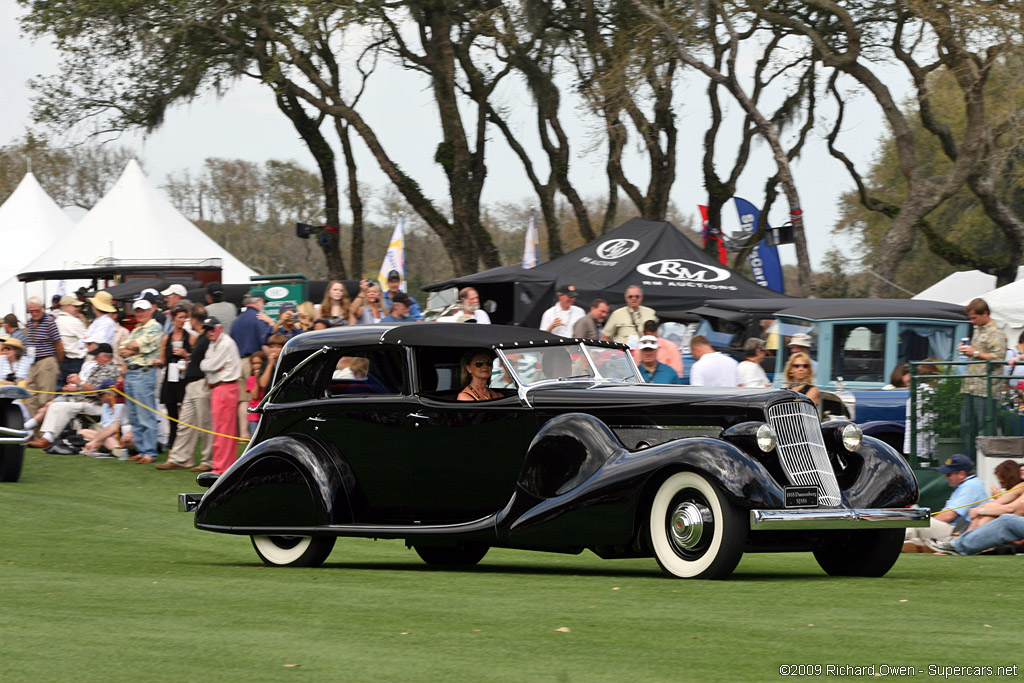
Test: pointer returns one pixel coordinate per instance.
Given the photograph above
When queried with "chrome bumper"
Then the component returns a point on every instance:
(827, 518)
(11, 435)
(188, 502)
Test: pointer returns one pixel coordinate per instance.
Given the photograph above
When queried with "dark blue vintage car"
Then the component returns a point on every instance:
(361, 435)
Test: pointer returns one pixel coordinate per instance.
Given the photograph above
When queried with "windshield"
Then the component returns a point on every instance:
(573, 361)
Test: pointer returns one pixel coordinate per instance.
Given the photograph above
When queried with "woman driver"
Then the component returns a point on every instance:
(475, 375)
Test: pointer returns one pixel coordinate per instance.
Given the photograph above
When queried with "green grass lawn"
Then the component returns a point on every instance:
(102, 579)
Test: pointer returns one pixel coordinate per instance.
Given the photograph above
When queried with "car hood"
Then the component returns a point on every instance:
(637, 395)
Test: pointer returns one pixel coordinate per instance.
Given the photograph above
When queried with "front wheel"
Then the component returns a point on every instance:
(293, 551)
(13, 454)
(465, 555)
(867, 552)
(694, 531)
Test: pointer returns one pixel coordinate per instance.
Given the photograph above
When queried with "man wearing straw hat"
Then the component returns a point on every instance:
(103, 327)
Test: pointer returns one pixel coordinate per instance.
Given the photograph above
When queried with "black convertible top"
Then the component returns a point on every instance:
(833, 309)
(457, 335)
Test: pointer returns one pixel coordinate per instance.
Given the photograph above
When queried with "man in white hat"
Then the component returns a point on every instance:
(103, 327)
(172, 296)
(72, 335)
(141, 352)
(801, 343)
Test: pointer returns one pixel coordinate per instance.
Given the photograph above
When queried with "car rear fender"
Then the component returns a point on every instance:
(281, 482)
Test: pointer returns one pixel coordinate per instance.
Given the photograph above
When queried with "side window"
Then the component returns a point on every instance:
(361, 372)
(859, 352)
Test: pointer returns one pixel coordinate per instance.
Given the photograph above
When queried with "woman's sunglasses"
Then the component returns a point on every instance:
(481, 363)
(801, 365)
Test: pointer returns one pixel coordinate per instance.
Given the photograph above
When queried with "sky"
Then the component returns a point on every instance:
(245, 124)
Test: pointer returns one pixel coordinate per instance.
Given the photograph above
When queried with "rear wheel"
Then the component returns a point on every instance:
(869, 552)
(466, 555)
(293, 551)
(12, 454)
(694, 531)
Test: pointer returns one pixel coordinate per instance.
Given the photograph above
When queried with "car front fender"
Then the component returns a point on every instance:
(593, 493)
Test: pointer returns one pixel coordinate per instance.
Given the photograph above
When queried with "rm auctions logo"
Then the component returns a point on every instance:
(681, 269)
(615, 249)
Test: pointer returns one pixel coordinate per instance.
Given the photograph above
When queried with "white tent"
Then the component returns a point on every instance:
(30, 224)
(135, 222)
(961, 287)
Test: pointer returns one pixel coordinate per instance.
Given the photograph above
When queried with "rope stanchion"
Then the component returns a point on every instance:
(138, 403)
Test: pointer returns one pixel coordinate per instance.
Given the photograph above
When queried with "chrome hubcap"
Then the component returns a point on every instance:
(686, 526)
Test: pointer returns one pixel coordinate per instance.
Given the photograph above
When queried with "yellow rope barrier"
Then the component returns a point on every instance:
(127, 397)
(967, 505)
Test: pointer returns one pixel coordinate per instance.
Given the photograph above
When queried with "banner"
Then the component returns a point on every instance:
(531, 250)
(764, 260)
(394, 257)
(713, 238)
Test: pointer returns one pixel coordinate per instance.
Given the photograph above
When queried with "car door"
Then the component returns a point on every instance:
(467, 457)
(364, 416)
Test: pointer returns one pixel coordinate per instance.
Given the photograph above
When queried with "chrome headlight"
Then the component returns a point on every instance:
(766, 438)
(852, 435)
(842, 435)
(751, 435)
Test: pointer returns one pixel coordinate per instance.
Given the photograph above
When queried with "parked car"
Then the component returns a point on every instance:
(577, 453)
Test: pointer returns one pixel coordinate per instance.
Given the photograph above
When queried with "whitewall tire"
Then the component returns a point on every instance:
(695, 532)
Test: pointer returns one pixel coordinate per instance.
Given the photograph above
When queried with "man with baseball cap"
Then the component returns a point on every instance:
(225, 311)
(395, 287)
(223, 368)
(651, 370)
(401, 309)
(968, 491)
(561, 318)
(173, 295)
(141, 352)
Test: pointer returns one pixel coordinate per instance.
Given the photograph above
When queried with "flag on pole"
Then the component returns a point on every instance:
(712, 237)
(531, 250)
(764, 260)
(394, 257)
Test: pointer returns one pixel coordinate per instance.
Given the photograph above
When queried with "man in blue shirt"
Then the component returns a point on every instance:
(401, 310)
(651, 370)
(968, 492)
(394, 288)
(252, 326)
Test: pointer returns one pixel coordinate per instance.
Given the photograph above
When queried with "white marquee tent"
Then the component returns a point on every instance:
(135, 222)
(31, 223)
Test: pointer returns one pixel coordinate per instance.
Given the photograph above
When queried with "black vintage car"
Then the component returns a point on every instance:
(362, 435)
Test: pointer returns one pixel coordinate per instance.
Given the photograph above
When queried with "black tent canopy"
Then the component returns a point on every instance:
(675, 274)
(520, 294)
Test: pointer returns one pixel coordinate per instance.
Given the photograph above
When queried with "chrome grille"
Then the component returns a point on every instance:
(802, 450)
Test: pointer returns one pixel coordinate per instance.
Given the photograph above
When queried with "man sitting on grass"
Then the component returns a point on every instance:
(1006, 528)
